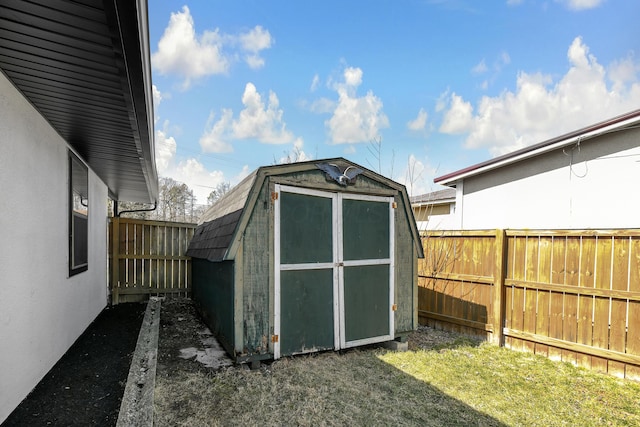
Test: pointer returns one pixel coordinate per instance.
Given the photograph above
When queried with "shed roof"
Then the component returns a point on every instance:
(628, 120)
(217, 236)
(84, 65)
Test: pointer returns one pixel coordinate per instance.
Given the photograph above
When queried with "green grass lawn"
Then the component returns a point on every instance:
(455, 382)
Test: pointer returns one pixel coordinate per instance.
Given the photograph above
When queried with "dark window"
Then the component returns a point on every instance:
(78, 215)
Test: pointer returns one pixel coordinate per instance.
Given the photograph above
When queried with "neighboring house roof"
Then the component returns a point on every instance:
(221, 227)
(85, 67)
(612, 125)
(441, 196)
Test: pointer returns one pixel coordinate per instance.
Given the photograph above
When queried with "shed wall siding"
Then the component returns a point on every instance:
(42, 310)
(257, 281)
(578, 187)
(404, 272)
(213, 292)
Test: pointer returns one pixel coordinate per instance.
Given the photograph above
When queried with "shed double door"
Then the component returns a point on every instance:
(333, 270)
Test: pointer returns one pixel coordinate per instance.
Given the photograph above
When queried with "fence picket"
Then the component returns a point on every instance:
(567, 294)
(148, 258)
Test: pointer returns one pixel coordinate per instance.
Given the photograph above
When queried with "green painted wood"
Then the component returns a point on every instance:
(305, 229)
(406, 273)
(213, 293)
(366, 301)
(257, 280)
(366, 229)
(306, 311)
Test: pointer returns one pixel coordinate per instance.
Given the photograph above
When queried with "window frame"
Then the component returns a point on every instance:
(78, 221)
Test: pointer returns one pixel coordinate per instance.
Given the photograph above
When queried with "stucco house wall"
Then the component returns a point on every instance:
(585, 179)
(436, 210)
(586, 185)
(436, 217)
(42, 310)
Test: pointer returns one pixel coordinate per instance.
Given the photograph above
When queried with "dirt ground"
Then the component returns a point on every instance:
(185, 344)
(85, 387)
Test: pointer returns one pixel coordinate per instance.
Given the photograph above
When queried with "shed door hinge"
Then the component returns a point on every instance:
(394, 307)
(274, 338)
(274, 196)
(394, 205)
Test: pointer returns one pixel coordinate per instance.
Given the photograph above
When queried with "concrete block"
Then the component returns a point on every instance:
(397, 346)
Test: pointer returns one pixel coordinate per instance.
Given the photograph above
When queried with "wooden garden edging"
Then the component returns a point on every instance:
(148, 258)
(570, 295)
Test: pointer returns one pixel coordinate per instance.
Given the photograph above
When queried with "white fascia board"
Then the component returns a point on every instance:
(451, 182)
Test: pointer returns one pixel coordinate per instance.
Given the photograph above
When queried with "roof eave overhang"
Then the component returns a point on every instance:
(130, 32)
(85, 67)
(434, 202)
(615, 124)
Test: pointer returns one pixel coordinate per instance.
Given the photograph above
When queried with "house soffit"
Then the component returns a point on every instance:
(84, 65)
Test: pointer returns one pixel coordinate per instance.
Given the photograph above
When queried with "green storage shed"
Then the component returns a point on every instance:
(305, 257)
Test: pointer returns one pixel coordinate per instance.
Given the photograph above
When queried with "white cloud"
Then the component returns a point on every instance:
(541, 107)
(443, 101)
(296, 154)
(256, 121)
(314, 83)
(256, 39)
(259, 121)
(253, 42)
(165, 151)
(623, 72)
(459, 116)
(182, 52)
(419, 123)
(213, 140)
(190, 171)
(355, 119)
(418, 176)
(157, 96)
(581, 4)
(322, 105)
(353, 77)
(505, 58)
(480, 67)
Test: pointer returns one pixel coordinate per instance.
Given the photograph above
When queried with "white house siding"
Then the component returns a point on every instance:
(593, 185)
(42, 310)
(441, 217)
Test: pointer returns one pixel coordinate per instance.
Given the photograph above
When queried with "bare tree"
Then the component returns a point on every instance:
(375, 149)
(220, 190)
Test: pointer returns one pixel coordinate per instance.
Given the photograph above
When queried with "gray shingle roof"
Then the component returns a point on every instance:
(436, 196)
(213, 236)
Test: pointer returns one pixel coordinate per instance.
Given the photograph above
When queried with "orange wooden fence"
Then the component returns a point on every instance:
(568, 295)
(148, 258)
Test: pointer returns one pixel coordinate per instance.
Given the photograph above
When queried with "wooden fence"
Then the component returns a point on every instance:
(568, 295)
(148, 258)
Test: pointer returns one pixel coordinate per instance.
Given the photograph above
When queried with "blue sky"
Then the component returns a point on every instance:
(443, 84)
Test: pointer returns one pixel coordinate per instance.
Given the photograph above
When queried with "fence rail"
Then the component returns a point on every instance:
(148, 258)
(569, 295)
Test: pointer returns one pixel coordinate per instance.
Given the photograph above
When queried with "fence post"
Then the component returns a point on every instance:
(115, 259)
(498, 287)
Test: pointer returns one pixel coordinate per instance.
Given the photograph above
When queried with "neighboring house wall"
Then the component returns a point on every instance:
(435, 217)
(42, 310)
(590, 185)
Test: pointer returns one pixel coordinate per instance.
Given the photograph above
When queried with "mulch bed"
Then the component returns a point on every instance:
(86, 386)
